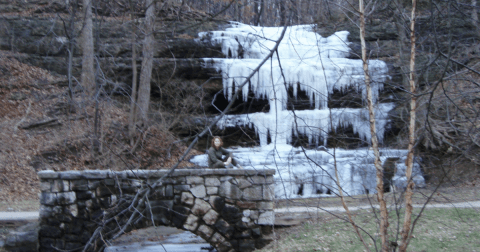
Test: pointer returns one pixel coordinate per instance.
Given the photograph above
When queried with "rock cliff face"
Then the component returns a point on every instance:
(41, 31)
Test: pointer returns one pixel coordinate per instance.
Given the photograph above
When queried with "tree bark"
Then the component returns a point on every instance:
(411, 136)
(88, 70)
(475, 16)
(147, 62)
(378, 165)
(132, 120)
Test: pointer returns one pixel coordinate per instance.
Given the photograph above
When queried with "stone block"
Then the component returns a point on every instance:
(48, 174)
(212, 182)
(269, 192)
(247, 213)
(246, 245)
(103, 191)
(191, 223)
(47, 198)
(257, 180)
(256, 232)
(50, 231)
(187, 198)
(210, 217)
(225, 247)
(59, 185)
(217, 238)
(66, 198)
(253, 214)
(212, 190)
(231, 213)
(180, 188)
(199, 191)
(225, 178)
(217, 202)
(266, 218)
(79, 185)
(45, 186)
(135, 182)
(159, 193)
(72, 210)
(265, 205)
(194, 180)
(109, 182)
(230, 190)
(93, 184)
(205, 232)
(45, 211)
(243, 183)
(269, 180)
(242, 234)
(201, 207)
(180, 180)
(246, 204)
(85, 195)
(253, 193)
(224, 228)
(57, 209)
(71, 175)
(96, 174)
(169, 191)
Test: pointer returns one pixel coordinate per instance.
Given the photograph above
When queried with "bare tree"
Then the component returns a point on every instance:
(133, 96)
(88, 70)
(371, 111)
(147, 63)
(411, 135)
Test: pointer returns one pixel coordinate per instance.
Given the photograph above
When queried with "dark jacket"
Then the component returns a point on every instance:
(215, 159)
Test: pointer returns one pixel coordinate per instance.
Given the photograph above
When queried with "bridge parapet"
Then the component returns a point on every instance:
(230, 209)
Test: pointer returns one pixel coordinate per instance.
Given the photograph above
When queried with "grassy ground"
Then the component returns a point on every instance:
(437, 230)
(445, 229)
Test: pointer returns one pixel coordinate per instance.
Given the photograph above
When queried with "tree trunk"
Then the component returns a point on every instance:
(88, 71)
(378, 165)
(147, 54)
(132, 120)
(411, 137)
(475, 16)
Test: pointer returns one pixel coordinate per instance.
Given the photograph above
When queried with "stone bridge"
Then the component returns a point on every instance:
(231, 209)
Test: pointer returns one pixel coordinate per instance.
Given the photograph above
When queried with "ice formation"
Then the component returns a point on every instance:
(317, 66)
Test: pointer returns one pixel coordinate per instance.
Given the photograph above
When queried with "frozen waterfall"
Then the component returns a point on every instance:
(318, 66)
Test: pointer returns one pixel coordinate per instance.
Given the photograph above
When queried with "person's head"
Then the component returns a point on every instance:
(217, 142)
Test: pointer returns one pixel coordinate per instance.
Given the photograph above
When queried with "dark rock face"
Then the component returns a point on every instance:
(179, 53)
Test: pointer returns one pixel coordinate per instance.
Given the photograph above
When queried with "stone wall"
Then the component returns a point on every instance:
(230, 209)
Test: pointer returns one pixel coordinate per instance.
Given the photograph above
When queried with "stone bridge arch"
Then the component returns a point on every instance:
(231, 209)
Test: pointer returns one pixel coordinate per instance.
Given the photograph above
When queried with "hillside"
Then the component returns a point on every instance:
(49, 123)
(39, 132)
